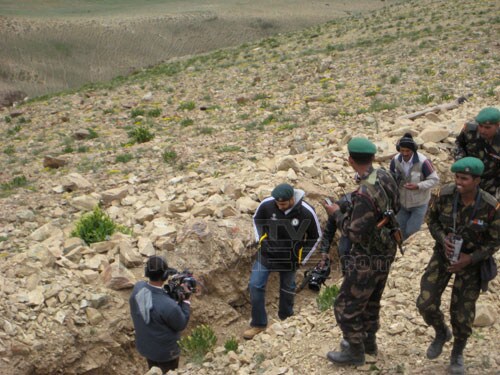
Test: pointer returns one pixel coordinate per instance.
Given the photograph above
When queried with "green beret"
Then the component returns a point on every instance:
(469, 165)
(488, 115)
(361, 146)
(282, 192)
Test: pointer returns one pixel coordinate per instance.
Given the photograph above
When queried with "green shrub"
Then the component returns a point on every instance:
(154, 112)
(231, 345)
(169, 156)
(229, 148)
(198, 343)
(327, 297)
(18, 181)
(140, 134)
(96, 226)
(206, 130)
(187, 106)
(9, 150)
(123, 158)
(137, 112)
(186, 122)
(92, 133)
(68, 149)
(8, 119)
(14, 130)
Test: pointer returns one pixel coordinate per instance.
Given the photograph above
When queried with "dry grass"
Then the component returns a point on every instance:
(49, 49)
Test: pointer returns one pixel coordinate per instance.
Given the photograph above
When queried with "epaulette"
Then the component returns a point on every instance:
(470, 126)
(490, 199)
(447, 190)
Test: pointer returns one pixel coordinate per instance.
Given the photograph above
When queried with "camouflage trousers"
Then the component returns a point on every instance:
(357, 306)
(466, 289)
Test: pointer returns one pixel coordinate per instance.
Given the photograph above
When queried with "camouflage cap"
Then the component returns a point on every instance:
(468, 165)
(282, 192)
(360, 145)
(488, 115)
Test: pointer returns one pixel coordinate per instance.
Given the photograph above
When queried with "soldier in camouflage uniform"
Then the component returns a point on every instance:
(481, 139)
(357, 306)
(463, 209)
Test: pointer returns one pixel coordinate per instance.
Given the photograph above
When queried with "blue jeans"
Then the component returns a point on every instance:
(410, 219)
(257, 286)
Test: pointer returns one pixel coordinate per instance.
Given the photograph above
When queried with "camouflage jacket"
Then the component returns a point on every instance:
(481, 233)
(470, 143)
(377, 192)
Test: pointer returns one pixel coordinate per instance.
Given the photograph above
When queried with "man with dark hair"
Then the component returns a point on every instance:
(465, 222)
(357, 305)
(288, 231)
(415, 175)
(480, 138)
(158, 319)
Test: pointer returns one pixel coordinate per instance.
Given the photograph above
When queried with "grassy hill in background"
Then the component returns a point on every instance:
(52, 46)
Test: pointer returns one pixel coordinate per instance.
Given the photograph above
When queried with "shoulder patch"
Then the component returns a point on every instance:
(470, 126)
(488, 198)
(447, 190)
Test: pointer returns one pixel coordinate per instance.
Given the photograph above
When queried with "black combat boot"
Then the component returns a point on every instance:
(354, 354)
(370, 343)
(457, 357)
(436, 347)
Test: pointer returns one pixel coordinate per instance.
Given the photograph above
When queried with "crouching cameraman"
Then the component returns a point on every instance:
(158, 318)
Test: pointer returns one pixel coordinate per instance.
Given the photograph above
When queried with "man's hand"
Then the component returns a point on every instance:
(331, 209)
(463, 261)
(411, 186)
(324, 258)
(449, 246)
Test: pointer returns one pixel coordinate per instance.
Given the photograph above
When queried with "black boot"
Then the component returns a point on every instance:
(436, 347)
(354, 354)
(370, 343)
(457, 357)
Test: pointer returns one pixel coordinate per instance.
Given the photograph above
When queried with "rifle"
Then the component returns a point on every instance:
(389, 220)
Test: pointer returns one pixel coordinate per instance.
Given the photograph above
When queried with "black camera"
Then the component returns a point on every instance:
(175, 288)
(315, 277)
(318, 276)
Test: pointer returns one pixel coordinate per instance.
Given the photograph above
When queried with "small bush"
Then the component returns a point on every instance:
(18, 181)
(137, 112)
(186, 122)
(8, 119)
(140, 134)
(9, 150)
(14, 130)
(199, 343)
(229, 148)
(169, 156)
(96, 226)
(187, 106)
(123, 158)
(92, 133)
(231, 345)
(154, 112)
(206, 130)
(327, 297)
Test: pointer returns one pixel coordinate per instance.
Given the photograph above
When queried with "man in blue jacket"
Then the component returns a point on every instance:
(158, 319)
(288, 231)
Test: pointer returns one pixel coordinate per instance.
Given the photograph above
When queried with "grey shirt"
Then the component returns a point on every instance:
(158, 322)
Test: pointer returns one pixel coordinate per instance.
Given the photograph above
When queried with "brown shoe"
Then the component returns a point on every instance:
(252, 331)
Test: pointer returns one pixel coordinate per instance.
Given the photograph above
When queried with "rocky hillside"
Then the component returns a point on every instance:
(181, 154)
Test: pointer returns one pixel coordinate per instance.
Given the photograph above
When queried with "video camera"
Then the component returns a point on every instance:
(174, 286)
(315, 277)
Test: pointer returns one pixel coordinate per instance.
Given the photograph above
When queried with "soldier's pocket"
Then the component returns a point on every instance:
(446, 220)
